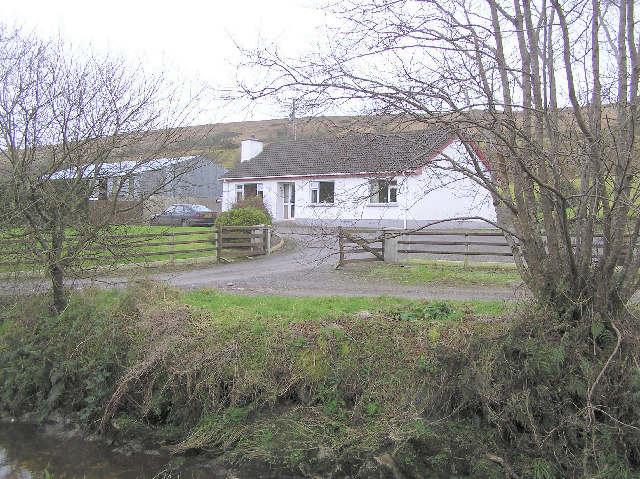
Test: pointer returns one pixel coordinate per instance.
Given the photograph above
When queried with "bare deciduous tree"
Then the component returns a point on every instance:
(548, 89)
(75, 112)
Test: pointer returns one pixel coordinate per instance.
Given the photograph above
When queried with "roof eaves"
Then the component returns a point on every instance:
(362, 174)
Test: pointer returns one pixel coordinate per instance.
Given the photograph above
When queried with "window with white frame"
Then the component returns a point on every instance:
(383, 191)
(322, 192)
(246, 190)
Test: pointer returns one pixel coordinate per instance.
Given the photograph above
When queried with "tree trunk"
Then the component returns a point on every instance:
(56, 270)
(58, 292)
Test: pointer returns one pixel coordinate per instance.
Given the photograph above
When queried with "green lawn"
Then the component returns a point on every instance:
(128, 249)
(229, 308)
(448, 274)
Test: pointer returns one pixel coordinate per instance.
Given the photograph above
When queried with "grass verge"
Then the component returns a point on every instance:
(230, 308)
(450, 274)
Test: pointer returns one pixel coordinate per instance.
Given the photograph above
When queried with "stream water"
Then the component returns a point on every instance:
(27, 451)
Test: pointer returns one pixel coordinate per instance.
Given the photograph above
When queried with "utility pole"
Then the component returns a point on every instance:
(292, 117)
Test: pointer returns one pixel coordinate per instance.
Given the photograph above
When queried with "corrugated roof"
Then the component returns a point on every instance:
(121, 168)
(353, 154)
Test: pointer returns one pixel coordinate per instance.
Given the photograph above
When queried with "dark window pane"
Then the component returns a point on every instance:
(326, 192)
(250, 189)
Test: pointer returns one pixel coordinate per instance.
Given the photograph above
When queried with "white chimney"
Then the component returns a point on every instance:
(250, 148)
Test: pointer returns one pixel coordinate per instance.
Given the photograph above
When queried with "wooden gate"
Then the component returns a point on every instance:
(232, 241)
(366, 246)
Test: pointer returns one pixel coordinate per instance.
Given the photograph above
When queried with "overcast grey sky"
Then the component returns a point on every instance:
(192, 38)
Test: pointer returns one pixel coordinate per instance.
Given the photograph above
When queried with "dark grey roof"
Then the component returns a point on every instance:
(354, 154)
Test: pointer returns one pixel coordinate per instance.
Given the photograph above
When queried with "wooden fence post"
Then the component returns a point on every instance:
(391, 245)
(219, 242)
(466, 249)
(340, 245)
(172, 247)
(266, 230)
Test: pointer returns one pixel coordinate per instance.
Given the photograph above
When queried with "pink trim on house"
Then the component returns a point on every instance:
(419, 170)
(313, 177)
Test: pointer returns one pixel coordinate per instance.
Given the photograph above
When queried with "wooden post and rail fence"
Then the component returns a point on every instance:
(225, 241)
(397, 245)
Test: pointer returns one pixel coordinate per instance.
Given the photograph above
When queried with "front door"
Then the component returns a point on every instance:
(289, 202)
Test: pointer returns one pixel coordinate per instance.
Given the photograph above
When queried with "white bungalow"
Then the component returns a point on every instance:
(367, 180)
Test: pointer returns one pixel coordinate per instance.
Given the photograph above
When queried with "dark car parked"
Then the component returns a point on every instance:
(184, 215)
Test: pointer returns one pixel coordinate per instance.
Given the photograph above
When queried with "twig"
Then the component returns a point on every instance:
(590, 407)
(614, 419)
(508, 472)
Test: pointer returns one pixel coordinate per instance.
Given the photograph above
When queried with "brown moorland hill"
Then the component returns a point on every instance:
(221, 142)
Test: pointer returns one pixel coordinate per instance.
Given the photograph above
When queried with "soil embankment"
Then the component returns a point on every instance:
(391, 390)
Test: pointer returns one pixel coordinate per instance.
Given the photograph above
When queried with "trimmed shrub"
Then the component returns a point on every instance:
(246, 216)
(248, 211)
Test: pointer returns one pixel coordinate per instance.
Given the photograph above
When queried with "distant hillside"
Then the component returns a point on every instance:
(221, 142)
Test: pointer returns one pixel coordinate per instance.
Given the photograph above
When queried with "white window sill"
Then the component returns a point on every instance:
(383, 205)
(322, 205)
